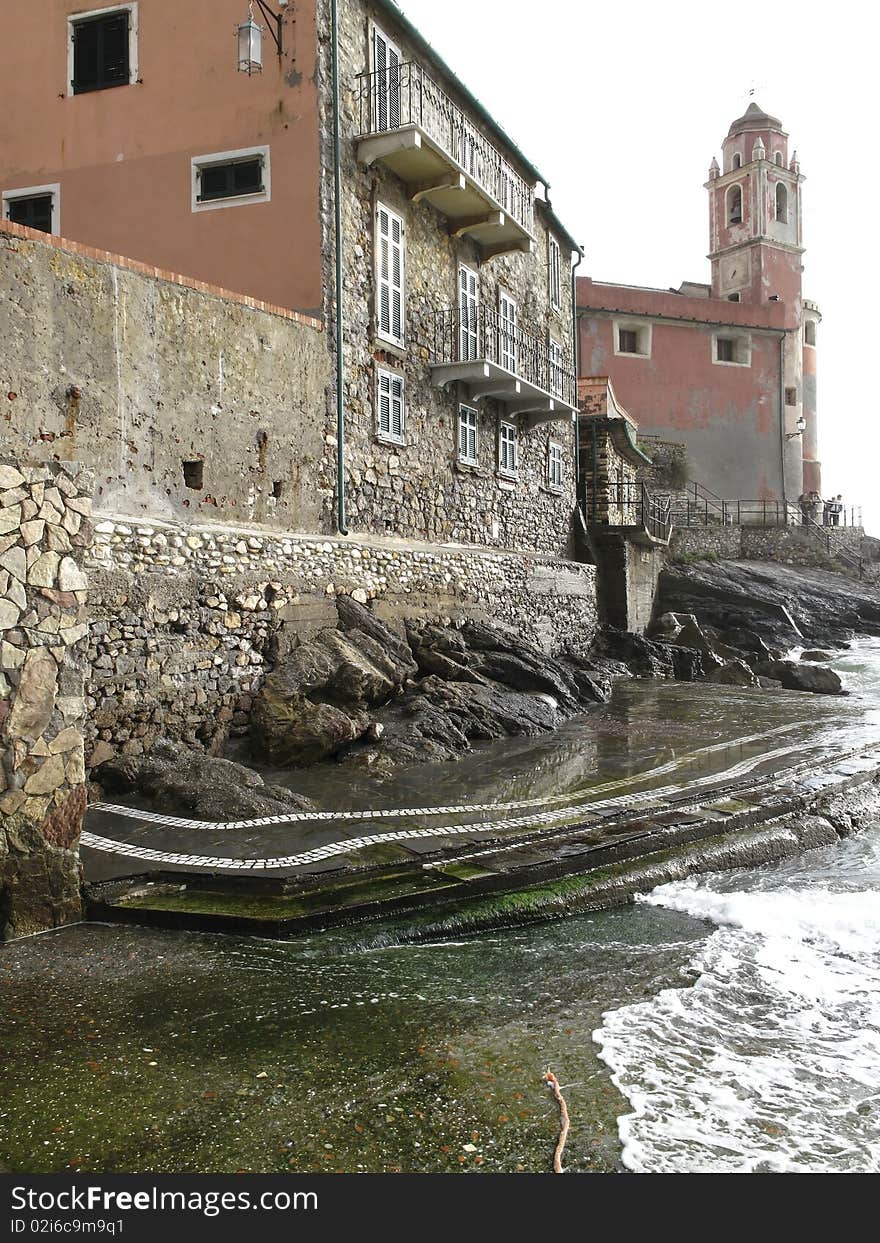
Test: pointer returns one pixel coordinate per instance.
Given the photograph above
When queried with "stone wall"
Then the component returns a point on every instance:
(185, 620)
(792, 545)
(45, 530)
(107, 362)
(709, 541)
(419, 489)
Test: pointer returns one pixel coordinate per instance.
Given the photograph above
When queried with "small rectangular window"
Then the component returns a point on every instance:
(226, 181)
(230, 178)
(632, 337)
(734, 348)
(791, 396)
(628, 341)
(101, 51)
(390, 276)
(468, 436)
(36, 208)
(554, 465)
(810, 332)
(508, 455)
(390, 413)
(555, 273)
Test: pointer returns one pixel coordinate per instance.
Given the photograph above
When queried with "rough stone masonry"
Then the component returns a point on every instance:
(45, 530)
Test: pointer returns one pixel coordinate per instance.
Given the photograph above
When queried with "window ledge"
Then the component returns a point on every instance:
(553, 490)
(395, 442)
(380, 345)
(506, 480)
(470, 468)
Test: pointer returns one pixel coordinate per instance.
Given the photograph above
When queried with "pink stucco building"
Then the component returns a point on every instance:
(728, 369)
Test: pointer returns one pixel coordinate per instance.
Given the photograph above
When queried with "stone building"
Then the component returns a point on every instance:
(726, 369)
(627, 528)
(610, 459)
(146, 131)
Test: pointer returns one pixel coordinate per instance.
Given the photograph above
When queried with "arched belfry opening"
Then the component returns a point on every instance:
(781, 203)
(734, 205)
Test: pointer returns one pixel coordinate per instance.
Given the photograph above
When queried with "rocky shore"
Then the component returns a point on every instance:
(378, 697)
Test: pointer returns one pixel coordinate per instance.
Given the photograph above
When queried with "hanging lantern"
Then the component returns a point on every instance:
(250, 45)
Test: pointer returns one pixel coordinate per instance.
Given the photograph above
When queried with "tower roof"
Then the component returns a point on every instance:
(754, 118)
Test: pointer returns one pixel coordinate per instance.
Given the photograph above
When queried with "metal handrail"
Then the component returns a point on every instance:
(637, 506)
(484, 335)
(404, 95)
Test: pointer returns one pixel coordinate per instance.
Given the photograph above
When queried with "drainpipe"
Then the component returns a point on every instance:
(575, 357)
(341, 525)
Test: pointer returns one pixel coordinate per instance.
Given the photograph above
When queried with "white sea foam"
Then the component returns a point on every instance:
(771, 1061)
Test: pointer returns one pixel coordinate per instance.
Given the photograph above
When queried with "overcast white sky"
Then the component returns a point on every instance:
(622, 108)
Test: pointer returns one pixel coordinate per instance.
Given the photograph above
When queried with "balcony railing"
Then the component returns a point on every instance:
(404, 96)
(518, 366)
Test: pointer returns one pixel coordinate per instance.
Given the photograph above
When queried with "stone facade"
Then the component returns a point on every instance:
(609, 458)
(420, 489)
(45, 530)
(185, 620)
(136, 375)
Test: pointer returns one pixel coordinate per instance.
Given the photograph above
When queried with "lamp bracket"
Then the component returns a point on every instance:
(276, 25)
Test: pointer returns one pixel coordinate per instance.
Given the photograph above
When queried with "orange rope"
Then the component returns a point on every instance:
(564, 1122)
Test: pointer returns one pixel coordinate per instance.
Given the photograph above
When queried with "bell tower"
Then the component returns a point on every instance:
(755, 216)
(756, 252)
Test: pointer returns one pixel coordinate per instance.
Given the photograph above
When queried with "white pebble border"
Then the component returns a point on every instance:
(335, 849)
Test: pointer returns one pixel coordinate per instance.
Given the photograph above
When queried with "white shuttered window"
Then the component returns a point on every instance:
(390, 413)
(385, 95)
(469, 306)
(507, 332)
(554, 465)
(468, 445)
(508, 456)
(390, 275)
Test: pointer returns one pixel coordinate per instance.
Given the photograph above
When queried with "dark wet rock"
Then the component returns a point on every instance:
(319, 697)
(781, 604)
(733, 673)
(377, 697)
(769, 684)
(815, 654)
(643, 657)
(440, 719)
(795, 676)
(199, 785)
(290, 731)
(748, 641)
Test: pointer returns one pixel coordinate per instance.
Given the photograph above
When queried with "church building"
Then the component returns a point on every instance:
(726, 370)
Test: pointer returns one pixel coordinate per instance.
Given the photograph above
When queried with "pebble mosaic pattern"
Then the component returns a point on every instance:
(399, 813)
(848, 765)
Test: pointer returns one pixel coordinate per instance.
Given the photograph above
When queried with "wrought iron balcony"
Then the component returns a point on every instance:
(491, 357)
(412, 127)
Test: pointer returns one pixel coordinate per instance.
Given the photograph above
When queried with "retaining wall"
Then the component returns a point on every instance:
(790, 545)
(184, 620)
